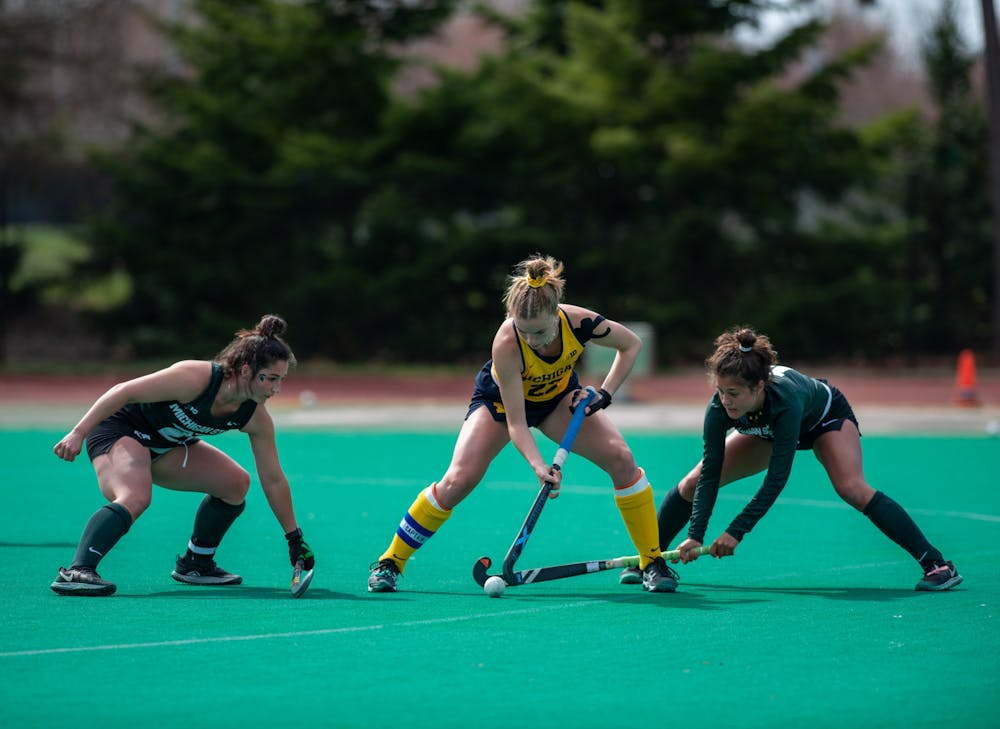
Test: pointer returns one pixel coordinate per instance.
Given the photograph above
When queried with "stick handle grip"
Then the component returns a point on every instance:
(633, 561)
(566, 444)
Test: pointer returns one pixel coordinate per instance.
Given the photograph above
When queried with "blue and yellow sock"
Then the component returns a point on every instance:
(424, 517)
(635, 502)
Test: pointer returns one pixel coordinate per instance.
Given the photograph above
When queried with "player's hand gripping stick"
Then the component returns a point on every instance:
(302, 560)
(565, 446)
(562, 571)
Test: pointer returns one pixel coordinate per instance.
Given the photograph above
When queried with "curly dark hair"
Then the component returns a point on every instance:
(259, 347)
(741, 352)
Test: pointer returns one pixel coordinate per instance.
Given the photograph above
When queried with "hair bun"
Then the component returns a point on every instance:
(271, 326)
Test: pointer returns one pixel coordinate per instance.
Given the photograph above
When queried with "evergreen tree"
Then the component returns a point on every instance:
(952, 234)
(672, 170)
(686, 181)
(242, 196)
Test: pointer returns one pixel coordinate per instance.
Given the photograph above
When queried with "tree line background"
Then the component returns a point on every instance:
(304, 158)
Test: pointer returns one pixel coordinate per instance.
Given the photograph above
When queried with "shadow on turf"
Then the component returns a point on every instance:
(241, 592)
(690, 600)
(691, 596)
(857, 594)
(36, 545)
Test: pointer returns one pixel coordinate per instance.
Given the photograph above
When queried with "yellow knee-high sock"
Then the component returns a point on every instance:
(424, 517)
(635, 502)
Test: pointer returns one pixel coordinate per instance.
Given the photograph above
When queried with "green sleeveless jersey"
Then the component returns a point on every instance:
(171, 423)
(794, 404)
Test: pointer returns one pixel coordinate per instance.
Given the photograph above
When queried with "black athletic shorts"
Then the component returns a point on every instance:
(486, 393)
(119, 425)
(840, 410)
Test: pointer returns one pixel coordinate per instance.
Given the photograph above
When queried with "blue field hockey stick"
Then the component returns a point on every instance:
(565, 446)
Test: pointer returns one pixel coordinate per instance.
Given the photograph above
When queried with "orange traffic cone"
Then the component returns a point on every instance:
(965, 381)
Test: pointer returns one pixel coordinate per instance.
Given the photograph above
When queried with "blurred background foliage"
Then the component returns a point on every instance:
(314, 160)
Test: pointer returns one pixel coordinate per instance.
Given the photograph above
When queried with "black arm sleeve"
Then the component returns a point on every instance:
(786, 438)
(716, 425)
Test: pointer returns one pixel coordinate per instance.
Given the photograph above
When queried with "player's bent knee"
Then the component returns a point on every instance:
(460, 479)
(235, 491)
(622, 466)
(243, 485)
(451, 494)
(856, 493)
(136, 505)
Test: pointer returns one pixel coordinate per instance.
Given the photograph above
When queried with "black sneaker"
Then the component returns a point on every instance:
(82, 582)
(385, 574)
(940, 577)
(630, 576)
(202, 571)
(657, 577)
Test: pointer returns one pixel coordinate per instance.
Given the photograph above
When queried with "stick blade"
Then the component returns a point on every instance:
(301, 578)
(479, 570)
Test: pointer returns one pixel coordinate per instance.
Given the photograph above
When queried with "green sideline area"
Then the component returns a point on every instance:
(814, 623)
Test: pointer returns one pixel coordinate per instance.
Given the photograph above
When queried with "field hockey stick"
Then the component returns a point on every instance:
(301, 577)
(561, 571)
(565, 445)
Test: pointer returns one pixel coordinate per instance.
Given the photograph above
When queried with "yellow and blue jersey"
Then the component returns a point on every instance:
(545, 379)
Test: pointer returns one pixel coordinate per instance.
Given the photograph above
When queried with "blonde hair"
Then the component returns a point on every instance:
(535, 288)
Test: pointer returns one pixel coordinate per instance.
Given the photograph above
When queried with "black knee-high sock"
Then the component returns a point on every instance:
(211, 522)
(105, 528)
(895, 523)
(674, 514)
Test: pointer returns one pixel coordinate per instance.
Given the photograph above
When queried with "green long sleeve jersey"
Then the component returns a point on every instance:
(794, 404)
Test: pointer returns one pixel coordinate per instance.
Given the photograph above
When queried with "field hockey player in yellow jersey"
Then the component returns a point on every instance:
(531, 382)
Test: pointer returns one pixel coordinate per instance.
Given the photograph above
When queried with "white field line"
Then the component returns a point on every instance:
(582, 490)
(292, 634)
(732, 496)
